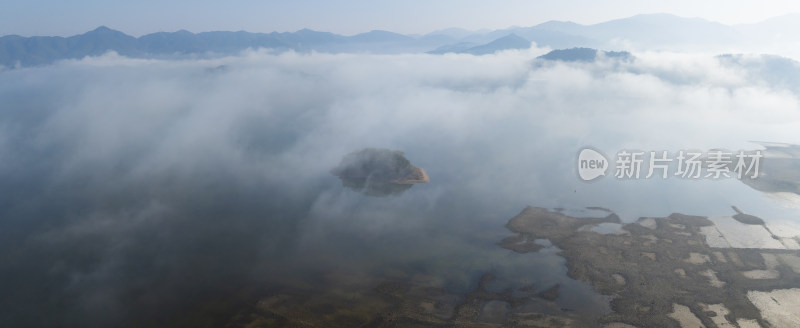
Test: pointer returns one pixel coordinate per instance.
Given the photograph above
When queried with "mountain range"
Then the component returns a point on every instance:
(648, 31)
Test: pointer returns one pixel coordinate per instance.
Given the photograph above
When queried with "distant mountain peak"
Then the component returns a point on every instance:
(104, 29)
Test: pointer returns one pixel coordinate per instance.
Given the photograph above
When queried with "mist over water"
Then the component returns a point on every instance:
(137, 191)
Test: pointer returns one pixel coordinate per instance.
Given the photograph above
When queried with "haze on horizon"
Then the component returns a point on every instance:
(57, 18)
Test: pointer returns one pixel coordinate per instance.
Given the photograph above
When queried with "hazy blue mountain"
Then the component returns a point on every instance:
(179, 42)
(774, 30)
(651, 31)
(454, 33)
(664, 29)
(453, 48)
(584, 55)
(378, 41)
(38, 50)
(380, 36)
(511, 41)
(555, 39)
(774, 70)
(185, 42)
(100, 40)
(44, 50)
(435, 40)
(563, 27)
(541, 36)
(307, 40)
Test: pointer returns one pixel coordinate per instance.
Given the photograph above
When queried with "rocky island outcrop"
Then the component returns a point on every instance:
(379, 172)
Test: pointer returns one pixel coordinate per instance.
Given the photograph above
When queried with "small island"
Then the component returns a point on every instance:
(379, 172)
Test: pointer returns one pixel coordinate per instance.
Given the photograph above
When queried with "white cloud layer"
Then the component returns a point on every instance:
(144, 163)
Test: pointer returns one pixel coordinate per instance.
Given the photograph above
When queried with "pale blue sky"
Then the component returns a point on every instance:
(58, 17)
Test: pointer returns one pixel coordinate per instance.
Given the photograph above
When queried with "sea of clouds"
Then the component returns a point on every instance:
(132, 190)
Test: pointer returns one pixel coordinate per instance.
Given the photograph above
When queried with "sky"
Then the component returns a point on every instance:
(64, 18)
